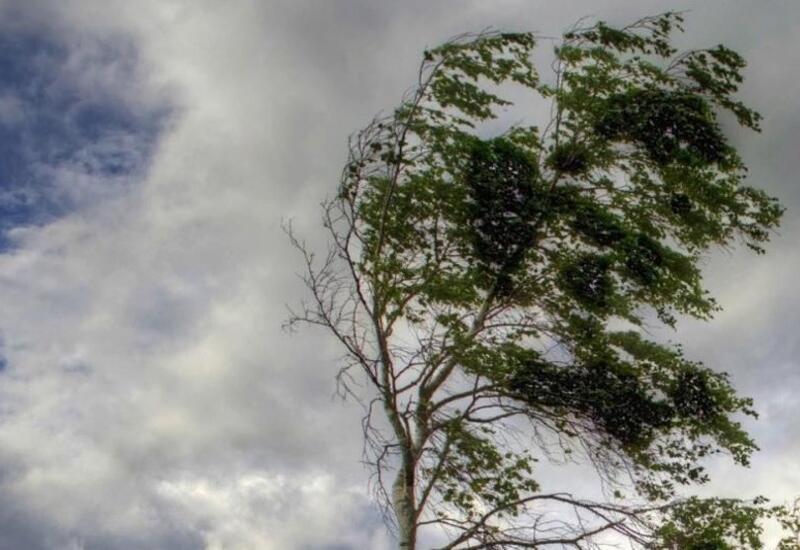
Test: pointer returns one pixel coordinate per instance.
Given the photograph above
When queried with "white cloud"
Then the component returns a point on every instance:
(263, 511)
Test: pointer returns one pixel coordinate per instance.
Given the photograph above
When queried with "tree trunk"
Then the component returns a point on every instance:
(403, 504)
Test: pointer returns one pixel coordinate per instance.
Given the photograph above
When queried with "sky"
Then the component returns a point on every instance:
(149, 151)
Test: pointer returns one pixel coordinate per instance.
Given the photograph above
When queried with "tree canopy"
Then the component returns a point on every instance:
(495, 289)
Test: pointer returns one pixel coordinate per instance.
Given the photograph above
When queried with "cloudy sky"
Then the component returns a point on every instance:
(148, 152)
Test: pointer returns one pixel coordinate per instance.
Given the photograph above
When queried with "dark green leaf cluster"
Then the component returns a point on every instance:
(606, 393)
(630, 393)
(572, 159)
(671, 126)
(588, 281)
(505, 204)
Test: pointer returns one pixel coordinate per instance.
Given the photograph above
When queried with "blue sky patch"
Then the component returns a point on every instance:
(72, 129)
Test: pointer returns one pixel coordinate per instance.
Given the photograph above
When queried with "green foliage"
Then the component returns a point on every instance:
(789, 519)
(714, 524)
(671, 126)
(570, 158)
(502, 181)
(515, 261)
(587, 281)
(477, 473)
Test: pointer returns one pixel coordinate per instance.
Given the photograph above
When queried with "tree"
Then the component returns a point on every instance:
(494, 291)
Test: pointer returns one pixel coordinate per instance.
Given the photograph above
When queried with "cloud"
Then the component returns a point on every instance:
(282, 508)
(150, 398)
(77, 125)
